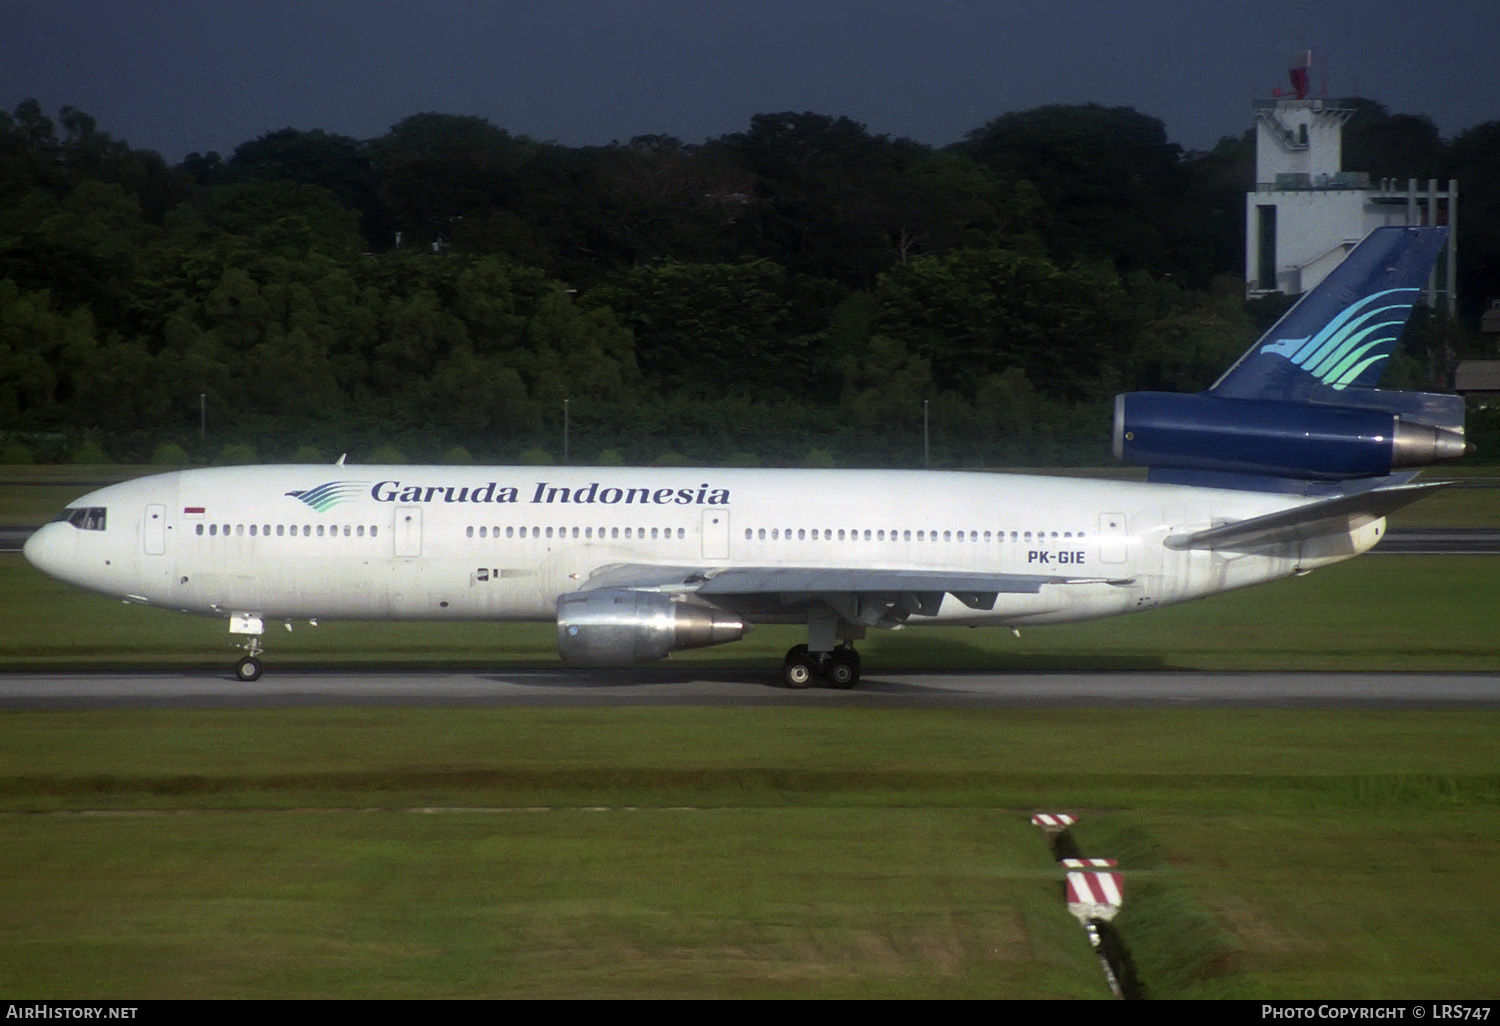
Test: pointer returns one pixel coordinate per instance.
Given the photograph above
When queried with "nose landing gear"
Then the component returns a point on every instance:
(248, 669)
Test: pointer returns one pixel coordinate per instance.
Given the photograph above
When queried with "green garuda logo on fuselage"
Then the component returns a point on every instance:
(326, 496)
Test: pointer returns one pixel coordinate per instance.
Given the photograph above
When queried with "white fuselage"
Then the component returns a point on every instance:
(504, 543)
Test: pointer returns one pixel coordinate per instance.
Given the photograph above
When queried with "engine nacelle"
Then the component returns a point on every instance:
(1282, 439)
(606, 628)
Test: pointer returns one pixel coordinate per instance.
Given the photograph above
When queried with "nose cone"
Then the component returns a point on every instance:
(44, 550)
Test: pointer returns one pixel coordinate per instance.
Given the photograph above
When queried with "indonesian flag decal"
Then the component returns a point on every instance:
(193, 512)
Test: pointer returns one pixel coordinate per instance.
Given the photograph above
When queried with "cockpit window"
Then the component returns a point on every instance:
(85, 518)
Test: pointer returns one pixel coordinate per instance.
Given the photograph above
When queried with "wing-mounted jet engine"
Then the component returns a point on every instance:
(619, 625)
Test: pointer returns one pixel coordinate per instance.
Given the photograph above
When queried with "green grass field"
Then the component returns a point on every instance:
(797, 852)
(741, 853)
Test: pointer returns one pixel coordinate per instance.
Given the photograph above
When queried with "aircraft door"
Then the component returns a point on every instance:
(408, 531)
(1113, 540)
(716, 533)
(154, 529)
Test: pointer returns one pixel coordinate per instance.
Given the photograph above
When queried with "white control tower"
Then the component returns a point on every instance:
(1307, 212)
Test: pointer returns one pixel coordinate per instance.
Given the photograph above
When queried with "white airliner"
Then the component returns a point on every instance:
(1285, 465)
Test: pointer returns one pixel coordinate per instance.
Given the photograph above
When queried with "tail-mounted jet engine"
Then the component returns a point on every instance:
(608, 627)
(1317, 441)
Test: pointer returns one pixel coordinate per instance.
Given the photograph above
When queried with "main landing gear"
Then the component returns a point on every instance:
(838, 668)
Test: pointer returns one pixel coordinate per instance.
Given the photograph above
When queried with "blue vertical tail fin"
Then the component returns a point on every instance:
(1300, 411)
(1342, 333)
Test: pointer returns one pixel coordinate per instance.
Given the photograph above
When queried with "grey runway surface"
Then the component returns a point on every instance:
(563, 687)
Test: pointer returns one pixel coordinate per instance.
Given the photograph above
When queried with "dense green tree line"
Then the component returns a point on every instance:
(794, 292)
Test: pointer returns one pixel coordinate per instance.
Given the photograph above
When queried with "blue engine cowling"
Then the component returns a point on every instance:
(1313, 441)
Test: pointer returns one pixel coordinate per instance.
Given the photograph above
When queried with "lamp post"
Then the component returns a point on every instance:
(926, 443)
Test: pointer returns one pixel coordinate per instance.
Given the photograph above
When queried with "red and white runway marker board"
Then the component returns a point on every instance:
(1094, 895)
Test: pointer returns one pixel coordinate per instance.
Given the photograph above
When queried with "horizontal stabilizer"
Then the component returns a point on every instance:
(1338, 515)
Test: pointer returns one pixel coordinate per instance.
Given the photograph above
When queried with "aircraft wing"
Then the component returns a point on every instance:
(861, 595)
(1338, 515)
(782, 579)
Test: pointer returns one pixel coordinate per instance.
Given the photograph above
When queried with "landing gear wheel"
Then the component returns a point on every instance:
(799, 669)
(843, 668)
(247, 669)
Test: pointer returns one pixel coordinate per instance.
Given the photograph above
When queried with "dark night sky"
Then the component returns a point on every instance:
(179, 77)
